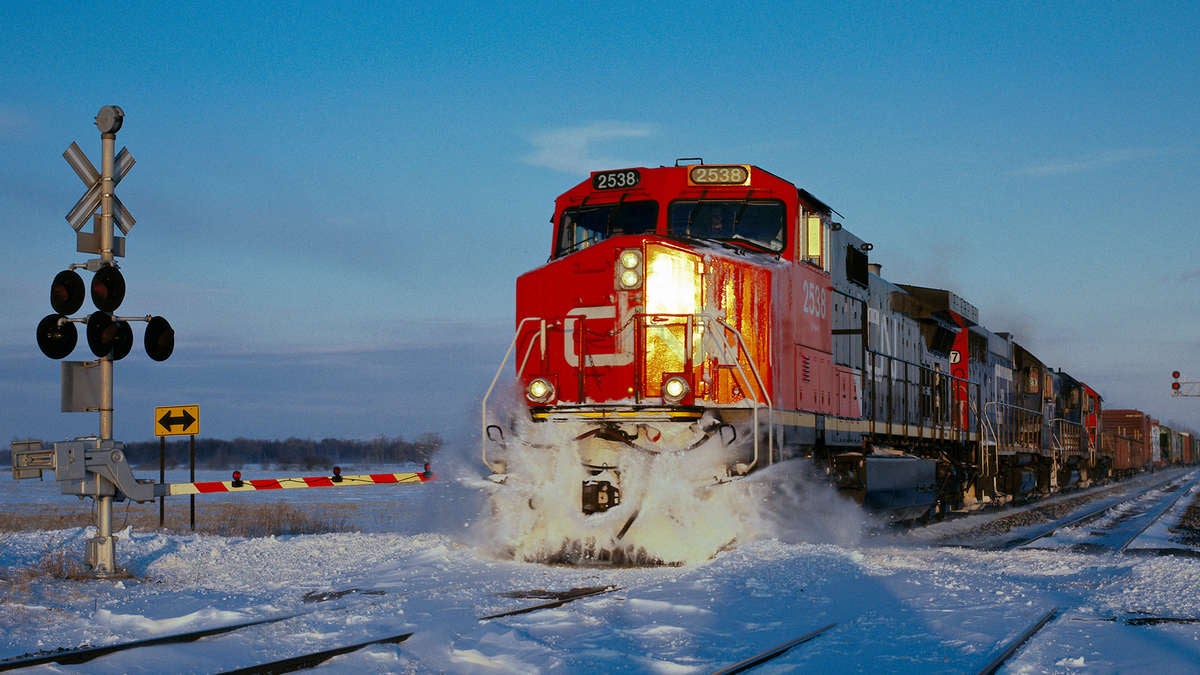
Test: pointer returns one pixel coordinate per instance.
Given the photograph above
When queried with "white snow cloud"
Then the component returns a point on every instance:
(1092, 162)
(572, 149)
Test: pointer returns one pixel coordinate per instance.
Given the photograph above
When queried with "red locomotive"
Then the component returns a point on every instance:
(719, 316)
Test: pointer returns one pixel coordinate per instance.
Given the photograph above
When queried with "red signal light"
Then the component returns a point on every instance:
(56, 336)
(100, 333)
(1175, 386)
(108, 288)
(1175, 374)
(159, 339)
(107, 337)
(66, 292)
(122, 340)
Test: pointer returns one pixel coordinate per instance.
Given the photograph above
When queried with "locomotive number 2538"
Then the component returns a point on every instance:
(815, 302)
(613, 180)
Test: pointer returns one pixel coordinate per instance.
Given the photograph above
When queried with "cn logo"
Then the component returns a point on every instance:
(623, 355)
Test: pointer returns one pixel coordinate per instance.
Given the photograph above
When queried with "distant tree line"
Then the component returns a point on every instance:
(293, 453)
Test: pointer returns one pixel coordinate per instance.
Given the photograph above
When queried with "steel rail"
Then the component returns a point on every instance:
(773, 652)
(85, 654)
(1017, 643)
(1073, 521)
(1158, 516)
(313, 659)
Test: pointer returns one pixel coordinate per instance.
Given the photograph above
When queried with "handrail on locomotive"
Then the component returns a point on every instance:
(905, 402)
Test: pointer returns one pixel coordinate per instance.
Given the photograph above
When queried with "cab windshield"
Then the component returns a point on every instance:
(583, 226)
(757, 224)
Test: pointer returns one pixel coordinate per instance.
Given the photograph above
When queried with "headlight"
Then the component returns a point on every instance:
(672, 282)
(540, 390)
(675, 388)
(629, 269)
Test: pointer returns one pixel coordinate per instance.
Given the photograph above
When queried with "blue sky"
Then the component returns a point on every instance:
(333, 200)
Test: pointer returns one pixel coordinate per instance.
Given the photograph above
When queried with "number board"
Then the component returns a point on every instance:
(717, 174)
(615, 180)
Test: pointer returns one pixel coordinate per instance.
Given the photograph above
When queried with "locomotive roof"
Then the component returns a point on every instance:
(811, 202)
(941, 300)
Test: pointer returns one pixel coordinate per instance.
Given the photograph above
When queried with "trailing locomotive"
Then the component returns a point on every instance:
(719, 316)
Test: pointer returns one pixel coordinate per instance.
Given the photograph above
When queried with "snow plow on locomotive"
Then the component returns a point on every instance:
(696, 323)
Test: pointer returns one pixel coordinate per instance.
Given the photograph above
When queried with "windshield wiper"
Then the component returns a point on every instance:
(612, 215)
(737, 218)
(694, 211)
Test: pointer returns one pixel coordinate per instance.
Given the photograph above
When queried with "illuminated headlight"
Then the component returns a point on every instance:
(675, 388)
(672, 283)
(629, 269)
(540, 390)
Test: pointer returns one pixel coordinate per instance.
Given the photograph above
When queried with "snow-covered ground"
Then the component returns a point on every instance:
(900, 601)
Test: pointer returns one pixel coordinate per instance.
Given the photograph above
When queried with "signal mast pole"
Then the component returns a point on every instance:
(108, 120)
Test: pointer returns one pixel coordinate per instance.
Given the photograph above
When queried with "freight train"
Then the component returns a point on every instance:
(722, 316)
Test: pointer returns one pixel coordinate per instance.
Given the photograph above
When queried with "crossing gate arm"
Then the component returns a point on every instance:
(238, 484)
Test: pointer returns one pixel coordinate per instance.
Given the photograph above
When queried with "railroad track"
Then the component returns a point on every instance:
(1003, 653)
(85, 653)
(1118, 524)
(1014, 645)
(772, 653)
(1009, 641)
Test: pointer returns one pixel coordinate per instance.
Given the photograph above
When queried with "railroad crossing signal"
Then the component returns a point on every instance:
(101, 474)
(177, 420)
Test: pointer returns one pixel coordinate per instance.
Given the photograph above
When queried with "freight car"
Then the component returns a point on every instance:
(702, 322)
